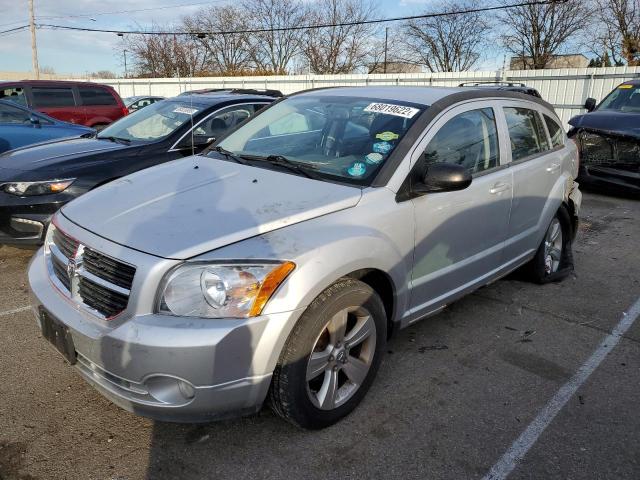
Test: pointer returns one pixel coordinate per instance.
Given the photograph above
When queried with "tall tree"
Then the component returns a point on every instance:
(620, 29)
(539, 31)
(227, 53)
(274, 51)
(446, 43)
(339, 49)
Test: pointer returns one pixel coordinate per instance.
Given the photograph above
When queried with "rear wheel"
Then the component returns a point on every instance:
(554, 258)
(331, 356)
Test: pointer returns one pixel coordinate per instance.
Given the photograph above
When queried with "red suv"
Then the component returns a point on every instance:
(85, 103)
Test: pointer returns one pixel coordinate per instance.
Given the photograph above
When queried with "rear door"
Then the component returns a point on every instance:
(57, 102)
(99, 106)
(459, 236)
(536, 166)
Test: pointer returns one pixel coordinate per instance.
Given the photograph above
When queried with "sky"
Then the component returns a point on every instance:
(82, 52)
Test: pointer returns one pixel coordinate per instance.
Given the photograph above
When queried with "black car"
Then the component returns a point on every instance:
(36, 181)
(608, 137)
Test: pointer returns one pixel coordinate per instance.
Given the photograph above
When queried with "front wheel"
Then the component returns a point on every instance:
(331, 356)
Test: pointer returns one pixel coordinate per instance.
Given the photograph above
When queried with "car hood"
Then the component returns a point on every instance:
(191, 206)
(609, 122)
(55, 154)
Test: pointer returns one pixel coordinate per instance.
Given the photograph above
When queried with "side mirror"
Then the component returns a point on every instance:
(443, 177)
(590, 104)
(35, 121)
(200, 142)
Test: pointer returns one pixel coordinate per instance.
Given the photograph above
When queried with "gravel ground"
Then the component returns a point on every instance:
(452, 395)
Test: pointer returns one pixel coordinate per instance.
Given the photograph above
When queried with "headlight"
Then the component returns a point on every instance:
(221, 290)
(25, 189)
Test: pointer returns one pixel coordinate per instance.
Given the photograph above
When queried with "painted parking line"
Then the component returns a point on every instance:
(528, 438)
(15, 310)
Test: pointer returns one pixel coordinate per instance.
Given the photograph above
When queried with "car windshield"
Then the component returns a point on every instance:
(625, 98)
(347, 138)
(153, 122)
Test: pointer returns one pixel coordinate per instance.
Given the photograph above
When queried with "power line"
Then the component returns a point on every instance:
(14, 30)
(305, 27)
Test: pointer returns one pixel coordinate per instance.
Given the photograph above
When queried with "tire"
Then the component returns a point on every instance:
(546, 266)
(314, 357)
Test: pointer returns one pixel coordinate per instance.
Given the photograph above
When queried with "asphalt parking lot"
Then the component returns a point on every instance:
(452, 395)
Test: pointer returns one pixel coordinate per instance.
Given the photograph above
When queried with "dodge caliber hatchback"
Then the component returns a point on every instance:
(275, 266)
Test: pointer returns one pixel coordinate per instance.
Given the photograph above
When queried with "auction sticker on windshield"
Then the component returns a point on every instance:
(185, 110)
(390, 109)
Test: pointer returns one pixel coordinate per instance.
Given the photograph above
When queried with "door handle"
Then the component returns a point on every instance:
(499, 188)
(554, 167)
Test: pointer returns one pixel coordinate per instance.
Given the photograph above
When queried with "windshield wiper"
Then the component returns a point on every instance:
(125, 141)
(282, 161)
(231, 155)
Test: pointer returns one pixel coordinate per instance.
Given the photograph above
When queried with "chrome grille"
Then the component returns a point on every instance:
(98, 282)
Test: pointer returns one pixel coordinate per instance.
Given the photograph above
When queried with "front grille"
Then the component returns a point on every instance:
(601, 150)
(105, 301)
(89, 277)
(108, 268)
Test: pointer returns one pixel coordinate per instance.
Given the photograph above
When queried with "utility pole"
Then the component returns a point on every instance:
(34, 48)
(124, 53)
(386, 38)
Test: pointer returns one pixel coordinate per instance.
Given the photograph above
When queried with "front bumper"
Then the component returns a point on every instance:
(138, 362)
(607, 179)
(24, 221)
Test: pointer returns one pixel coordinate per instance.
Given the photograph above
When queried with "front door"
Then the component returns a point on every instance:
(459, 236)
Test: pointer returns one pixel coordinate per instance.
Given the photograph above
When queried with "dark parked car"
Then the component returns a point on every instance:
(20, 126)
(246, 91)
(608, 136)
(504, 87)
(84, 103)
(140, 101)
(36, 181)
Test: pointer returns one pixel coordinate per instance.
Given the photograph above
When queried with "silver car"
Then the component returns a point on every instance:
(275, 265)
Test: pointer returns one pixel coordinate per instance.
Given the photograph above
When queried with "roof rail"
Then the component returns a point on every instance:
(245, 91)
(494, 82)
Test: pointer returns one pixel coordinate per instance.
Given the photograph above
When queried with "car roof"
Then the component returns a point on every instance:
(219, 97)
(426, 96)
(632, 82)
(51, 83)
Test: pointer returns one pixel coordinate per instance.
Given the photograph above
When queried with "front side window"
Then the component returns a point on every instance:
(96, 96)
(9, 114)
(625, 98)
(226, 119)
(153, 122)
(14, 94)
(555, 131)
(341, 137)
(44, 97)
(526, 132)
(469, 139)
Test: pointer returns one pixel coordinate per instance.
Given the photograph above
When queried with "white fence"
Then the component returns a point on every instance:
(566, 89)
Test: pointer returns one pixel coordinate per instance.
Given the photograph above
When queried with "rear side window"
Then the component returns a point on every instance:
(555, 132)
(52, 97)
(526, 132)
(14, 94)
(96, 96)
(469, 139)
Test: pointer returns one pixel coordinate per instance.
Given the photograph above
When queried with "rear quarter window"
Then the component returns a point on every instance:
(526, 132)
(555, 132)
(52, 97)
(96, 96)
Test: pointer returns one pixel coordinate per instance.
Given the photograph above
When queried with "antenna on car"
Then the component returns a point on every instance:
(193, 147)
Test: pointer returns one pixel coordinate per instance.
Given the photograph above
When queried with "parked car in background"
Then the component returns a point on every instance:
(20, 126)
(608, 136)
(504, 86)
(277, 263)
(84, 103)
(37, 181)
(140, 101)
(246, 91)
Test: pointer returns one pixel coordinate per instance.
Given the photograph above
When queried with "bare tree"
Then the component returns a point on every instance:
(619, 30)
(539, 31)
(446, 43)
(165, 55)
(339, 49)
(227, 53)
(274, 51)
